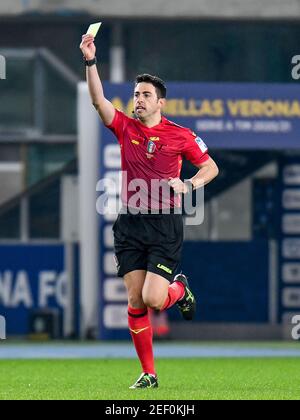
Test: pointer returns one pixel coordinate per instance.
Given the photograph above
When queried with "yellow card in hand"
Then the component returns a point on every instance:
(94, 28)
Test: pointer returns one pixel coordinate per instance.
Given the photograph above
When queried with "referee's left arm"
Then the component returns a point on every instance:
(208, 171)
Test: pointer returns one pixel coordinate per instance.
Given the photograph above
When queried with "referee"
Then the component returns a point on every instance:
(148, 242)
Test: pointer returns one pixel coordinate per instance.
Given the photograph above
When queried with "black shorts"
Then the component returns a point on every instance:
(148, 242)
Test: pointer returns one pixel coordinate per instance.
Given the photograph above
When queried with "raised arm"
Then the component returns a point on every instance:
(104, 107)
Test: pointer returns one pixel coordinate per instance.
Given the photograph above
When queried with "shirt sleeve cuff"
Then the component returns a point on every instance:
(203, 159)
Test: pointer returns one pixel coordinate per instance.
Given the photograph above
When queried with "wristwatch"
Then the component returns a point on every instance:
(90, 63)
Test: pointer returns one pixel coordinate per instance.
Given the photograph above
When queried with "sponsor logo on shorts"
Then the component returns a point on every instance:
(164, 268)
(154, 138)
(135, 142)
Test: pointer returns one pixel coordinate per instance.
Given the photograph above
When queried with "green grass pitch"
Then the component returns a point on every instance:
(194, 379)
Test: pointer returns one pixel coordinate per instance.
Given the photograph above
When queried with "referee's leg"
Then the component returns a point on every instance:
(159, 294)
(155, 291)
(140, 326)
(134, 282)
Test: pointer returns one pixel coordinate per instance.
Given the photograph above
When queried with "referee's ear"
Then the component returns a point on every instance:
(162, 102)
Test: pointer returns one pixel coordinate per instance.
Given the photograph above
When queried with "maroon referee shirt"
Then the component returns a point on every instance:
(150, 157)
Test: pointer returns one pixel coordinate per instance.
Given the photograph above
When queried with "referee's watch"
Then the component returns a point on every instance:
(90, 63)
(190, 186)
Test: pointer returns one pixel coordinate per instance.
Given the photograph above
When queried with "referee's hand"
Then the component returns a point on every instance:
(178, 186)
(88, 47)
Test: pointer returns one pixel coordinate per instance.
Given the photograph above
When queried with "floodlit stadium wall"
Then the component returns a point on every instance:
(38, 285)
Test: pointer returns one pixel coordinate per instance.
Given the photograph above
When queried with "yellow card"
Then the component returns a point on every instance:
(94, 28)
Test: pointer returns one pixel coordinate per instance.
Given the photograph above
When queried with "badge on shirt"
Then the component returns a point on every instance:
(201, 145)
(151, 147)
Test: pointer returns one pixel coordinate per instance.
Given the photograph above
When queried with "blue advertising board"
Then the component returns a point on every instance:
(31, 277)
(229, 115)
(289, 241)
(230, 280)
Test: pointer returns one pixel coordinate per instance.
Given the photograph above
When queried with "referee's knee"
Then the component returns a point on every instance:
(154, 303)
(136, 301)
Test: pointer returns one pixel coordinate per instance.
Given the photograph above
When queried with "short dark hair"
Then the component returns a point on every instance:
(158, 83)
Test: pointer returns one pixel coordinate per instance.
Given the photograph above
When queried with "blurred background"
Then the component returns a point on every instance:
(228, 65)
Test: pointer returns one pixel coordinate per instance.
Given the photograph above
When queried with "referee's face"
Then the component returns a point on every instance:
(146, 101)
